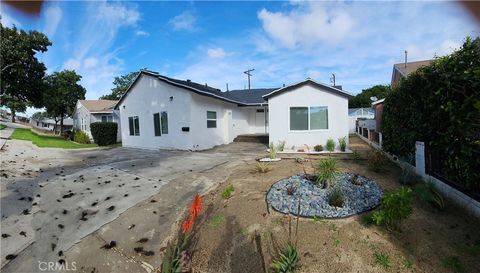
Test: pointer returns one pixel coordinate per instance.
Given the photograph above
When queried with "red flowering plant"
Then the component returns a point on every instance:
(176, 257)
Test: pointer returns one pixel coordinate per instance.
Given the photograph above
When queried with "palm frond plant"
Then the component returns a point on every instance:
(287, 260)
(327, 172)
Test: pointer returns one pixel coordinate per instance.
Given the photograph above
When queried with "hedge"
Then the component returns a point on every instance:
(81, 137)
(104, 133)
(440, 105)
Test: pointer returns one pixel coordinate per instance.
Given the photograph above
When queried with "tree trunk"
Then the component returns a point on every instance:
(12, 111)
(61, 125)
(55, 128)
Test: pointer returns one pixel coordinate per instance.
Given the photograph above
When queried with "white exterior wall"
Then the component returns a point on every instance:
(307, 95)
(149, 96)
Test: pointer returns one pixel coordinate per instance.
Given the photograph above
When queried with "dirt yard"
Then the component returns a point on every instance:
(239, 234)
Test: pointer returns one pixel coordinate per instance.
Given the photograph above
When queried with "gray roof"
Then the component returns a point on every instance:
(250, 96)
(308, 81)
(365, 109)
(66, 121)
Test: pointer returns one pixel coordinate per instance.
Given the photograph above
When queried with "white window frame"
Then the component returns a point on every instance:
(107, 117)
(133, 123)
(308, 119)
(215, 119)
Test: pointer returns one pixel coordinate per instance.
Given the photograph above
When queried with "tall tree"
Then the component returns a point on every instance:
(62, 94)
(121, 85)
(21, 72)
(363, 99)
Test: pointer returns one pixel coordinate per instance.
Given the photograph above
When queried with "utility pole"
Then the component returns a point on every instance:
(249, 75)
(406, 54)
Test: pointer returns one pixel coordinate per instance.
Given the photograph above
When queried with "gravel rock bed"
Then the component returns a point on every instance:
(314, 200)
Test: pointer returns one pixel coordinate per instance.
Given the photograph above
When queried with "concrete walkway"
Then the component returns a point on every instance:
(78, 200)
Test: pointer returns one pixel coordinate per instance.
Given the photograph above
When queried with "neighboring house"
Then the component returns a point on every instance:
(161, 112)
(402, 70)
(358, 113)
(48, 125)
(378, 108)
(90, 111)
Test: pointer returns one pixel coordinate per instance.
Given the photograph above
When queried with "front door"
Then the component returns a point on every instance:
(260, 121)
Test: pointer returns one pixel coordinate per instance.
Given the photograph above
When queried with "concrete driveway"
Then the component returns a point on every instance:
(63, 205)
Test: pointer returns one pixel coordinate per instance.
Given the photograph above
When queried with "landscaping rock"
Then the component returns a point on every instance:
(314, 199)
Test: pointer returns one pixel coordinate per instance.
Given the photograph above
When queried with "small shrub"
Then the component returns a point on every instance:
(355, 180)
(330, 145)
(395, 206)
(366, 219)
(407, 177)
(453, 263)
(318, 148)
(382, 259)
(356, 155)
(291, 190)
(327, 171)
(343, 144)
(427, 193)
(104, 133)
(262, 167)
(407, 263)
(272, 151)
(67, 135)
(81, 137)
(287, 260)
(335, 197)
(227, 192)
(281, 145)
(376, 161)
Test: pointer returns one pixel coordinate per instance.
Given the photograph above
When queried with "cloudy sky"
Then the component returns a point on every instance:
(214, 42)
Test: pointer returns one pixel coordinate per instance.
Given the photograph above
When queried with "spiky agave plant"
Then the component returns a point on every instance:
(287, 260)
(327, 172)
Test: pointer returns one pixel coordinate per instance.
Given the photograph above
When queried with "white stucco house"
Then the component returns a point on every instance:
(158, 112)
(90, 111)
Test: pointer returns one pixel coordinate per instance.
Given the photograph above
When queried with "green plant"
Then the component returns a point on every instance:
(343, 143)
(272, 151)
(227, 192)
(395, 206)
(262, 167)
(356, 155)
(376, 161)
(453, 263)
(104, 133)
(427, 193)
(335, 197)
(366, 219)
(439, 104)
(382, 259)
(281, 145)
(287, 260)
(318, 148)
(407, 263)
(81, 137)
(330, 145)
(336, 242)
(327, 171)
(216, 220)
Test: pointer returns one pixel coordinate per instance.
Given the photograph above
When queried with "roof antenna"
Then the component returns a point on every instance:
(227, 86)
(406, 53)
(249, 75)
(332, 79)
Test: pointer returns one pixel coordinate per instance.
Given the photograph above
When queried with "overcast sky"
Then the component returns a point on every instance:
(214, 42)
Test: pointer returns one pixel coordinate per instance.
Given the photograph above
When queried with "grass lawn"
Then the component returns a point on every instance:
(2, 126)
(47, 141)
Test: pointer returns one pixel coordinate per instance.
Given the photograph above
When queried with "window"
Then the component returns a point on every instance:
(211, 119)
(108, 118)
(308, 118)
(83, 125)
(160, 123)
(134, 126)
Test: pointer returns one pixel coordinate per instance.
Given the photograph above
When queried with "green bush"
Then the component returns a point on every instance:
(227, 192)
(104, 133)
(335, 197)
(343, 144)
(327, 172)
(395, 206)
(67, 135)
(318, 148)
(287, 260)
(427, 193)
(81, 137)
(439, 104)
(330, 145)
(376, 161)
